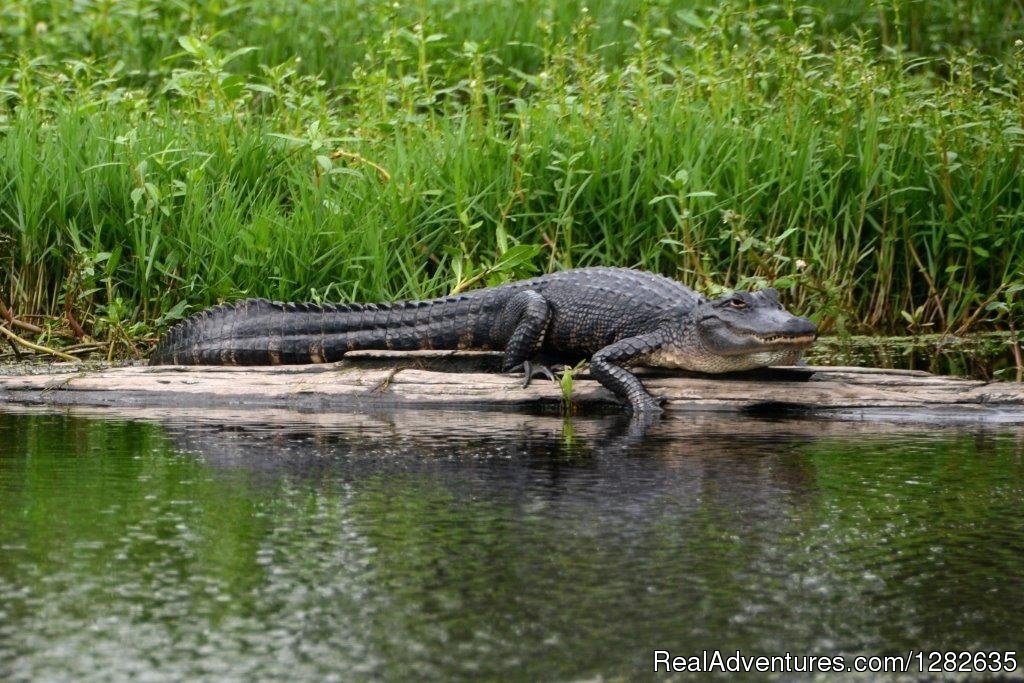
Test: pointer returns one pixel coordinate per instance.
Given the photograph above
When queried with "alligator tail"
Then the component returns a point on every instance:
(261, 332)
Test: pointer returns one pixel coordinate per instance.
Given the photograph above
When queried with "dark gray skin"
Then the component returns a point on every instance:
(616, 317)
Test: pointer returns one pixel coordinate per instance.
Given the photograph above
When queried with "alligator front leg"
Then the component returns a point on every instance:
(606, 366)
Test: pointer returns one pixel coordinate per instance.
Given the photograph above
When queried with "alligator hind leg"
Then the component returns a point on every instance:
(524, 320)
(531, 370)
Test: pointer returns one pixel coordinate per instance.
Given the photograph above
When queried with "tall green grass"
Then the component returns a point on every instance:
(156, 158)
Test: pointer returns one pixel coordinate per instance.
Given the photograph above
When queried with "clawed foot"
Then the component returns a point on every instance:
(530, 371)
(648, 405)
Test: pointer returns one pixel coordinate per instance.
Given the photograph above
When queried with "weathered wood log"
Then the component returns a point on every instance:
(460, 379)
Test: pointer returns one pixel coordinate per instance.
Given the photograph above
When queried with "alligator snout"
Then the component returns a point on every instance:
(788, 330)
(800, 327)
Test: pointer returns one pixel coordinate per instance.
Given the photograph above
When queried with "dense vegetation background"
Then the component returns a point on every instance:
(157, 157)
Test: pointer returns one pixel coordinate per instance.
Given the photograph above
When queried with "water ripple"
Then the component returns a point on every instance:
(438, 545)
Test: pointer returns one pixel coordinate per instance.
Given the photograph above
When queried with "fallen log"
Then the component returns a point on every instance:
(466, 380)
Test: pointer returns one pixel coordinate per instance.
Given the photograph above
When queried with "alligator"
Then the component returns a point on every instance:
(616, 317)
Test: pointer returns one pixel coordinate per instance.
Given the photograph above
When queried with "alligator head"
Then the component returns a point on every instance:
(738, 331)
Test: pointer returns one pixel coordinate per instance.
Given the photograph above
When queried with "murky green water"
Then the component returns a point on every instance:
(983, 355)
(440, 545)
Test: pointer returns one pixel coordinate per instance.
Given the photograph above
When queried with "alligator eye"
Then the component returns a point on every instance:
(737, 303)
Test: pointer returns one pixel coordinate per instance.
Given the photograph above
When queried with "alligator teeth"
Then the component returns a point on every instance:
(784, 339)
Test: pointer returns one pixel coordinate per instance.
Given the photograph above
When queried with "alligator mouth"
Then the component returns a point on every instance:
(785, 339)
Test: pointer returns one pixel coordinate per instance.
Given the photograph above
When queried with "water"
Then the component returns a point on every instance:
(415, 545)
(982, 355)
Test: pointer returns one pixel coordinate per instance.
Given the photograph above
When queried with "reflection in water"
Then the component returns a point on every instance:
(492, 545)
